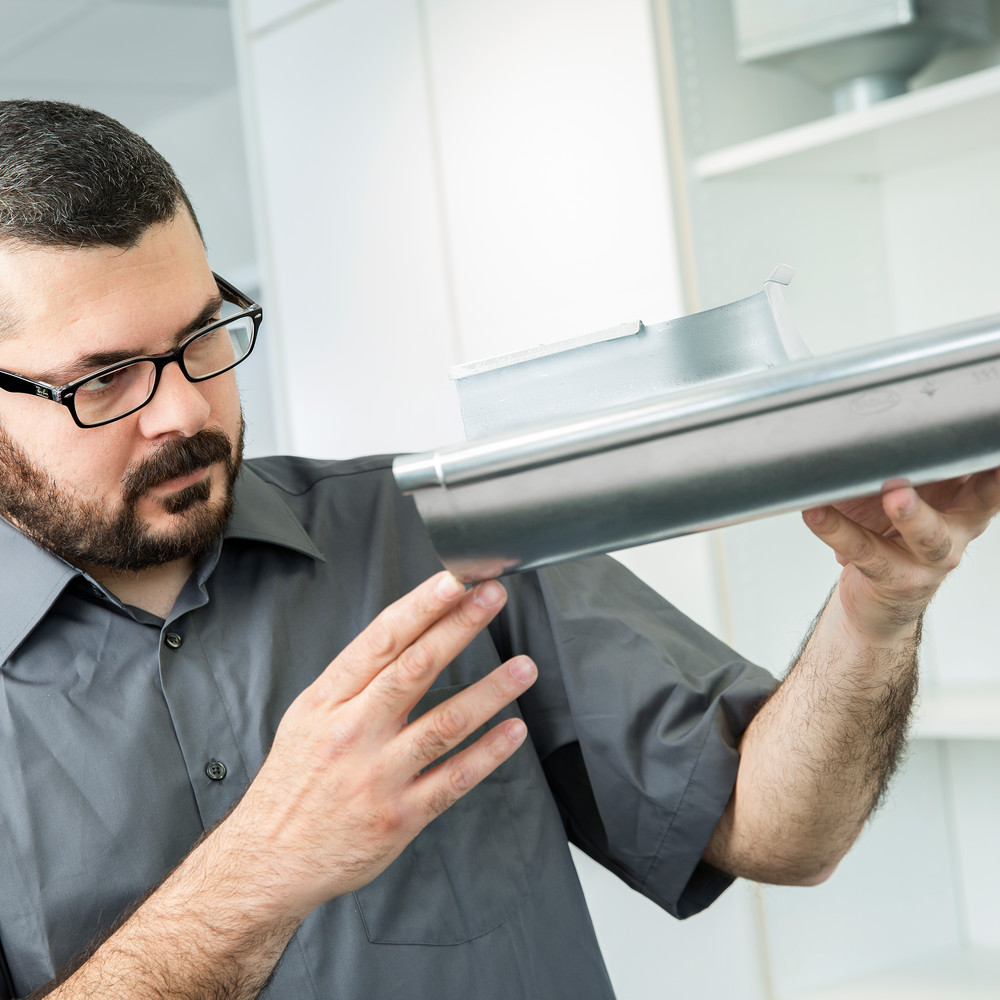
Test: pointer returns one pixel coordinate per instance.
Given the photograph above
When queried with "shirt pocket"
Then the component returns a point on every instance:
(463, 875)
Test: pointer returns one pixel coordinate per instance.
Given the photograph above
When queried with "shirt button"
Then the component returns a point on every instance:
(216, 770)
(173, 640)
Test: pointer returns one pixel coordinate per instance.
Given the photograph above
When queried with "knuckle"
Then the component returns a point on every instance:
(380, 638)
(451, 723)
(470, 615)
(314, 698)
(387, 822)
(340, 740)
(500, 744)
(865, 550)
(428, 746)
(415, 663)
(462, 778)
(393, 690)
(874, 566)
(940, 551)
(441, 798)
(501, 686)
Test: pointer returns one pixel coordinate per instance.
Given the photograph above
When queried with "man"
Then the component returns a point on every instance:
(243, 721)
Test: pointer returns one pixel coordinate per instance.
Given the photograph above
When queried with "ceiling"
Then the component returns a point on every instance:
(136, 60)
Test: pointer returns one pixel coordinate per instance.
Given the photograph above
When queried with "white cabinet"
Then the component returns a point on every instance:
(890, 216)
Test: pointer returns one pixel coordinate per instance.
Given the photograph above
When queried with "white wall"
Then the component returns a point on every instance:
(441, 180)
(204, 143)
(445, 180)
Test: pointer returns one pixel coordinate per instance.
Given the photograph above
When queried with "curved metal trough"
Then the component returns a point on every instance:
(803, 433)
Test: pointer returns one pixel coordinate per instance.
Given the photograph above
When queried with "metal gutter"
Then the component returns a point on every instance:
(808, 432)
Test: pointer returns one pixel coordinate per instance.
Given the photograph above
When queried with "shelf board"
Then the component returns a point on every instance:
(968, 975)
(960, 714)
(924, 126)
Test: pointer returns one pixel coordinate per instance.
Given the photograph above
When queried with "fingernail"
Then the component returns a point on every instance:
(908, 505)
(449, 587)
(522, 669)
(489, 594)
(817, 515)
(515, 730)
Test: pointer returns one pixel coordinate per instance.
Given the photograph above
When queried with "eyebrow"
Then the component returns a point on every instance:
(97, 360)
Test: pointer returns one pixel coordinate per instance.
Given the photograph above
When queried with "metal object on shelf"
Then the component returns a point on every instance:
(809, 432)
(862, 50)
(628, 363)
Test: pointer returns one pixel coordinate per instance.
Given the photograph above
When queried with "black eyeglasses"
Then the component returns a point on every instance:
(111, 393)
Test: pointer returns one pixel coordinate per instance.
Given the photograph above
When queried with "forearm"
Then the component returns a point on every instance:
(210, 932)
(818, 757)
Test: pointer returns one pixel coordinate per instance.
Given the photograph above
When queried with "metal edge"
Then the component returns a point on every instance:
(842, 373)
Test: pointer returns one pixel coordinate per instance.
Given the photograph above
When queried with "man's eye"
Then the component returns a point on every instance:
(100, 383)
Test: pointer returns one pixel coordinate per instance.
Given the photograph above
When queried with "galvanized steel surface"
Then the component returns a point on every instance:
(917, 408)
(627, 364)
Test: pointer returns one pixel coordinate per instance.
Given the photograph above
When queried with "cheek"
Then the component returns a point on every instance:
(86, 463)
(224, 397)
(39, 430)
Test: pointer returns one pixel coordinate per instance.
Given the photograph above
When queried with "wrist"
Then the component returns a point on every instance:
(204, 932)
(244, 863)
(869, 623)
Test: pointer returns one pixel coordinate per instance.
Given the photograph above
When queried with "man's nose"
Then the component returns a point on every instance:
(178, 407)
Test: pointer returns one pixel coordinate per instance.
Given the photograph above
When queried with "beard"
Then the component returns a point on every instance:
(94, 534)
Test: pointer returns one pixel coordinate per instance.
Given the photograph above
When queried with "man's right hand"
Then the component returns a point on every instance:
(348, 782)
(346, 786)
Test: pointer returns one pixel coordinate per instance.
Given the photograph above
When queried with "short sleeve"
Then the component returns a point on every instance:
(636, 715)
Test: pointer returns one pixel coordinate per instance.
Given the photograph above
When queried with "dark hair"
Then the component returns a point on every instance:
(73, 177)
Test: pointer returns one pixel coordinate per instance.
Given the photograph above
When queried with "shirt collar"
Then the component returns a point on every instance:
(33, 578)
(31, 581)
(261, 515)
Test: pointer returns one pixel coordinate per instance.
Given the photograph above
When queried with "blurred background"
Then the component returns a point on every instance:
(410, 184)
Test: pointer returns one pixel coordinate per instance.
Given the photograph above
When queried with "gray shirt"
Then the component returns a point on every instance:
(124, 737)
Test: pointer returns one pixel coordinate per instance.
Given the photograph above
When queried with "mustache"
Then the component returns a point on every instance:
(178, 457)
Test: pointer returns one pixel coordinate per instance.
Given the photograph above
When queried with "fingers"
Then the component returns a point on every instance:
(979, 500)
(920, 539)
(388, 635)
(851, 542)
(931, 538)
(398, 687)
(445, 726)
(907, 544)
(937, 533)
(442, 786)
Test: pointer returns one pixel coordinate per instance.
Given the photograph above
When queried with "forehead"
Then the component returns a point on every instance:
(59, 299)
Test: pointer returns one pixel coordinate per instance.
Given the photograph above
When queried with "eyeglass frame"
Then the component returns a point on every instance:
(65, 394)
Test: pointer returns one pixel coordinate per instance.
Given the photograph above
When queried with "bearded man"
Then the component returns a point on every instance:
(252, 739)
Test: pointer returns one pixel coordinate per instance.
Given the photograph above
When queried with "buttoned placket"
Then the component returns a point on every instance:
(205, 732)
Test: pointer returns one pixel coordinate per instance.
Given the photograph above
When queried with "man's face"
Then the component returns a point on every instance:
(150, 488)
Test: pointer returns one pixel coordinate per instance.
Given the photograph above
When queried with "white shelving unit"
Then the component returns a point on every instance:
(889, 215)
(937, 124)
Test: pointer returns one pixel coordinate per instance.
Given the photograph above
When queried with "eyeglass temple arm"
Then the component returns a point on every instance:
(235, 295)
(15, 383)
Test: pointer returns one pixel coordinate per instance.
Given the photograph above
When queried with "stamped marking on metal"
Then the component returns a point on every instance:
(875, 402)
(988, 373)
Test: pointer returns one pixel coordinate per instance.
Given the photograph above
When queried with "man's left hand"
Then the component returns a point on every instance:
(897, 547)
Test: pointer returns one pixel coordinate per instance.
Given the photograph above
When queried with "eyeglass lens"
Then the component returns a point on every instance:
(124, 389)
